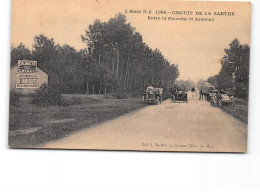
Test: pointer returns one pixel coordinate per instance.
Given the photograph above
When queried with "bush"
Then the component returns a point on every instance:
(120, 94)
(47, 96)
(136, 93)
(109, 96)
(74, 101)
(14, 98)
(241, 92)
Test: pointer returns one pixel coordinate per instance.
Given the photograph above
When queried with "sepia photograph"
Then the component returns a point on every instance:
(130, 75)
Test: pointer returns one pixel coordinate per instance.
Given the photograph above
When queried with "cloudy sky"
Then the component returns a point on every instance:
(195, 46)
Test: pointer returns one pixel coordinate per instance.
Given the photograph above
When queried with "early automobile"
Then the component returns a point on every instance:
(178, 93)
(153, 95)
(218, 98)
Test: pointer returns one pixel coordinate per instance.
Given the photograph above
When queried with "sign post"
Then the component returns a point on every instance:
(27, 66)
(27, 77)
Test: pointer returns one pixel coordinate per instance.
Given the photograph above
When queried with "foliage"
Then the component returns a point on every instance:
(47, 95)
(14, 98)
(120, 94)
(234, 74)
(115, 60)
(213, 80)
(129, 62)
(20, 53)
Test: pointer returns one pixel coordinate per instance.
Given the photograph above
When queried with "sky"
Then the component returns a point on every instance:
(195, 46)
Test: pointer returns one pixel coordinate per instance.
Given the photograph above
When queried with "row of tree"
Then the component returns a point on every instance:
(234, 73)
(115, 58)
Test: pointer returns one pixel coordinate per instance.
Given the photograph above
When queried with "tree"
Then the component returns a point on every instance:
(213, 80)
(115, 59)
(20, 53)
(44, 52)
(234, 74)
(131, 63)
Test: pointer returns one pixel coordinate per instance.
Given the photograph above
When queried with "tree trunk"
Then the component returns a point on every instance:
(105, 87)
(117, 61)
(93, 89)
(162, 83)
(126, 72)
(99, 91)
(99, 60)
(112, 60)
(128, 84)
(87, 87)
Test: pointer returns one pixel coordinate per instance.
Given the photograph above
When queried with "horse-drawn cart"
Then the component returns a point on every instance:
(205, 90)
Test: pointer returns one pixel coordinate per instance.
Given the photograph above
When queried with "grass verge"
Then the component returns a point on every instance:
(239, 110)
(56, 122)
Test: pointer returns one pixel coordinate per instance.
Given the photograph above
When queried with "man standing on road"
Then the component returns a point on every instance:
(149, 88)
(183, 88)
(174, 89)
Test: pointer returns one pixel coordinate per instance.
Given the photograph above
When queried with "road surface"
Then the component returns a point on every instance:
(192, 126)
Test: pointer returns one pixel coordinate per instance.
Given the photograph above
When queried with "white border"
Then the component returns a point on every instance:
(100, 171)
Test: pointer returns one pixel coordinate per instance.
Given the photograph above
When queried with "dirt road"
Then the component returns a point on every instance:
(193, 126)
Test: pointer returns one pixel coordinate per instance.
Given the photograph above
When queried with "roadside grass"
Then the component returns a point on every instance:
(56, 122)
(239, 110)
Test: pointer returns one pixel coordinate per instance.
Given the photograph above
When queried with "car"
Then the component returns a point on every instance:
(224, 100)
(179, 96)
(178, 93)
(153, 95)
(218, 98)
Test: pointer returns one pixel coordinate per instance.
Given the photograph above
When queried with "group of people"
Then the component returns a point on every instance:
(174, 89)
(177, 88)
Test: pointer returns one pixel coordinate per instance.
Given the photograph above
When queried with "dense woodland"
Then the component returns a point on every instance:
(115, 59)
(234, 73)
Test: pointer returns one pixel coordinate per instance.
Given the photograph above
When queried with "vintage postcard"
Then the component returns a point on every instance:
(139, 75)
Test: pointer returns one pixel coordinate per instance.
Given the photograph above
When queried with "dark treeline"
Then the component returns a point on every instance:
(115, 59)
(234, 74)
